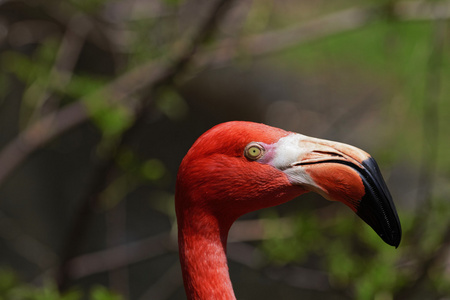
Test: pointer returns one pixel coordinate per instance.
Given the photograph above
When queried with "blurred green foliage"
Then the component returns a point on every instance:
(11, 288)
(396, 55)
(172, 104)
(359, 262)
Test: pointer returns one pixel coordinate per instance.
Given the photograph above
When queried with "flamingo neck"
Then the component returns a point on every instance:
(202, 244)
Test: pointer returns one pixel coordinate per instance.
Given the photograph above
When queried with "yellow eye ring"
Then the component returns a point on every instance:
(254, 151)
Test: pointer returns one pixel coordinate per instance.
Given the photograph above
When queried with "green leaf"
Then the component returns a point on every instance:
(8, 280)
(172, 104)
(111, 116)
(102, 293)
(82, 85)
(153, 169)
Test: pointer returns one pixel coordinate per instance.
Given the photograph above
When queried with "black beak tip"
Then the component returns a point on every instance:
(392, 239)
(377, 208)
(383, 220)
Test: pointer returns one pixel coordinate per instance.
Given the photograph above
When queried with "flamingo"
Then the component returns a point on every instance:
(238, 167)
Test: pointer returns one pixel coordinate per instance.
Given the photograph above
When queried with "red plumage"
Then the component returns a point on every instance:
(218, 181)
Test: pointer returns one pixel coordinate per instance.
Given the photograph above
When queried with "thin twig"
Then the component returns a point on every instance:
(39, 134)
(21, 242)
(116, 234)
(299, 277)
(66, 58)
(120, 256)
(126, 254)
(100, 34)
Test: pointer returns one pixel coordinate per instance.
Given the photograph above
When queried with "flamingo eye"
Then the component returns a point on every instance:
(254, 151)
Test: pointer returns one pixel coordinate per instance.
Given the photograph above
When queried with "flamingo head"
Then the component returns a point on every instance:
(238, 167)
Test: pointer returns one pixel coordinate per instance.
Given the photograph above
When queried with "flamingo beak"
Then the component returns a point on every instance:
(344, 173)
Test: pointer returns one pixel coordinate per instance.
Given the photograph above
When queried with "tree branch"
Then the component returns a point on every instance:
(42, 255)
(120, 256)
(322, 27)
(130, 253)
(51, 126)
(163, 76)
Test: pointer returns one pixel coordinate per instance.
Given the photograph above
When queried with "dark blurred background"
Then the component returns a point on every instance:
(100, 100)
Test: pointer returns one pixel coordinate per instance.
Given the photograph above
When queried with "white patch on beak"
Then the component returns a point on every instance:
(289, 150)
